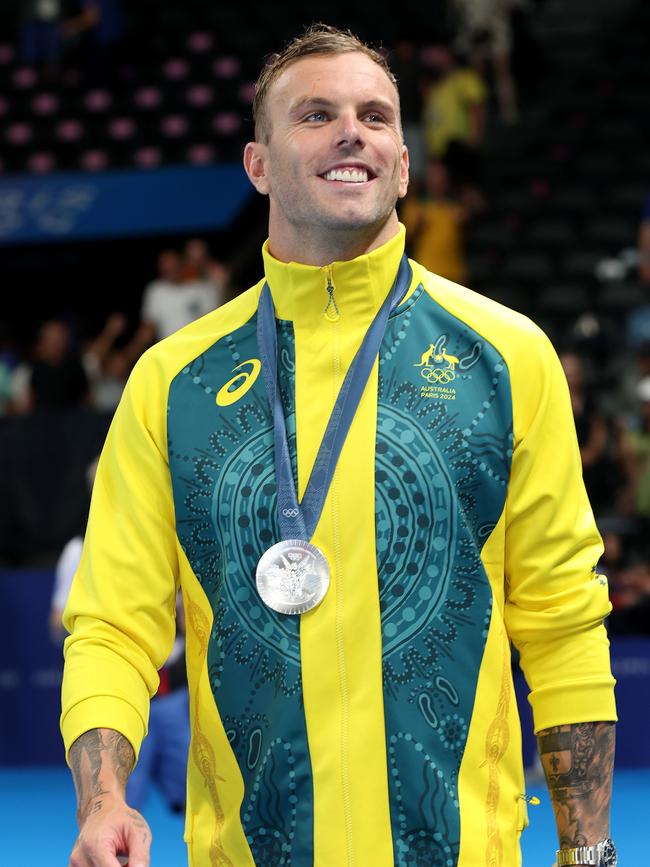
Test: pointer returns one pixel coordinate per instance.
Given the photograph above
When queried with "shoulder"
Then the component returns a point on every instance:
(505, 328)
(534, 370)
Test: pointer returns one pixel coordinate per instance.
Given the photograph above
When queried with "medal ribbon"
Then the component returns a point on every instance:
(299, 520)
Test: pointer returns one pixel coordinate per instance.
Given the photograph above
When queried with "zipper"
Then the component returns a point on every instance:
(340, 641)
(331, 311)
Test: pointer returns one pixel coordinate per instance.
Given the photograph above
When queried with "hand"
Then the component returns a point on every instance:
(109, 830)
(116, 324)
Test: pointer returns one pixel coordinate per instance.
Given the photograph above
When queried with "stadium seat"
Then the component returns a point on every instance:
(564, 299)
(94, 160)
(200, 42)
(611, 232)
(200, 95)
(226, 67)
(24, 78)
(201, 154)
(528, 267)
(176, 69)
(581, 263)
(7, 54)
(174, 126)
(97, 101)
(621, 297)
(226, 123)
(121, 128)
(147, 157)
(147, 98)
(69, 130)
(19, 133)
(552, 233)
(41, 163)
(45, 104)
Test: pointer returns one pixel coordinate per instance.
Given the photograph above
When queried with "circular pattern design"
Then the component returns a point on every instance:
(411, 530)
(250, 466)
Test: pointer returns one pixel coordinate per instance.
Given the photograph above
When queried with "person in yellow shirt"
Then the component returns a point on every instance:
(454, 116)
(366, 483)
(435, 225)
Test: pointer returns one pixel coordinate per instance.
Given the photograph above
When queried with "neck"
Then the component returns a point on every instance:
(322, 247)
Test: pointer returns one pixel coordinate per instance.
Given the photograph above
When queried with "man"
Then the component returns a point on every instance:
(348, 653)
(172, 301)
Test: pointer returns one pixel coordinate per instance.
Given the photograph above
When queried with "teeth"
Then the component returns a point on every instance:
(348, 176)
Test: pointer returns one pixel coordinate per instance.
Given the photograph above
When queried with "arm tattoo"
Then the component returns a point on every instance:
(98, 758)
(578, 761)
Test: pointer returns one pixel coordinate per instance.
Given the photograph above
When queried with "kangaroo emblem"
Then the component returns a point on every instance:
(451, 360)
(426, 356)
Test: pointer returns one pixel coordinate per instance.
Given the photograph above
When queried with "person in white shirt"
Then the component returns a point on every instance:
(170, 302)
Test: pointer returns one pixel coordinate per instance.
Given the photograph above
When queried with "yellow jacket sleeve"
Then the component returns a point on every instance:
(121, 610)
(555, 600)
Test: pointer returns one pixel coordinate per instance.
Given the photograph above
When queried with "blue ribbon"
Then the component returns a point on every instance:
(299, 520)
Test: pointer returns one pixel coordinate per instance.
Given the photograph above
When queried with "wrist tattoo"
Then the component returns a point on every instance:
(578, 762)
(96, 750)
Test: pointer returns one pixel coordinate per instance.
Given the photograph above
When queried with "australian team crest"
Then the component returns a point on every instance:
(439, 368)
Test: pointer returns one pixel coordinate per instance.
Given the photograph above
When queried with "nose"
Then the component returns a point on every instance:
(349, 131)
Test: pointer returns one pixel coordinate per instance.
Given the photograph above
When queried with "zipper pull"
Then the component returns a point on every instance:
(333, 315)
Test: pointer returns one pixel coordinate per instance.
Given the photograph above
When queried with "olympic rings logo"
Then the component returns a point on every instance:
(437, 374)
(290, 513)
(240, 383)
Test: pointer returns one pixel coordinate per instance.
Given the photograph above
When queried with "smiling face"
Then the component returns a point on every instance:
(334, 164)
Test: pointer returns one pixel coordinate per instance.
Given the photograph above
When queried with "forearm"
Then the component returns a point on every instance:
(101, 761)
(578, 762)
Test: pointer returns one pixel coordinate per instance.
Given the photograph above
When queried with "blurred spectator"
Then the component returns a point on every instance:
(484, 33)
(8, 362)
(635, 453)
(55, 377)
(200, 267)
(434, 225)
(39, 34)
(100, 23)
(626, 564)
(601, 474)
(170, 302)
(406, 68)
(64, 571)
(454, 116)
(108, 366)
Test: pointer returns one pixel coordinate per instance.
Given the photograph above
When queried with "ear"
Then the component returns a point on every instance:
(255, 164)
(403, 172)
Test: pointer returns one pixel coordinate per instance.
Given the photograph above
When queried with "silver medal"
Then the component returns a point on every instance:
(293, 576)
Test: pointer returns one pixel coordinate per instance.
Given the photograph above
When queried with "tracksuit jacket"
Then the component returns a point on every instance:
(380, 728)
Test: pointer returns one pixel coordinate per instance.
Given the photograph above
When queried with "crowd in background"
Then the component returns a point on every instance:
(447, 92)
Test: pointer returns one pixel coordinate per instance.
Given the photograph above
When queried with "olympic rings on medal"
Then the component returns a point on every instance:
(290, 513)
(438, 374)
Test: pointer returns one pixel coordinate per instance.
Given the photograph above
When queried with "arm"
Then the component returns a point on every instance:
(557, 601)
(101, 761)
(120, 615)
(578, 762)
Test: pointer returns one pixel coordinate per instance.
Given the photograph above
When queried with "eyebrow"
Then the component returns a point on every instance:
(322, 102)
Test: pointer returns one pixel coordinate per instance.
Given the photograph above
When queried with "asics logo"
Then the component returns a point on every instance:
(237, 387)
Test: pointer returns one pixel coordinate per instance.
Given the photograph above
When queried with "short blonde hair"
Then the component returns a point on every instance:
(316, 39)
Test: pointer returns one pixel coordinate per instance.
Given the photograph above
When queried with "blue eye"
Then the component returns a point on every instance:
(317, 116)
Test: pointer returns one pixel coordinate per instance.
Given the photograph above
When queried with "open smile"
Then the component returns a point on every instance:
(348, 175)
